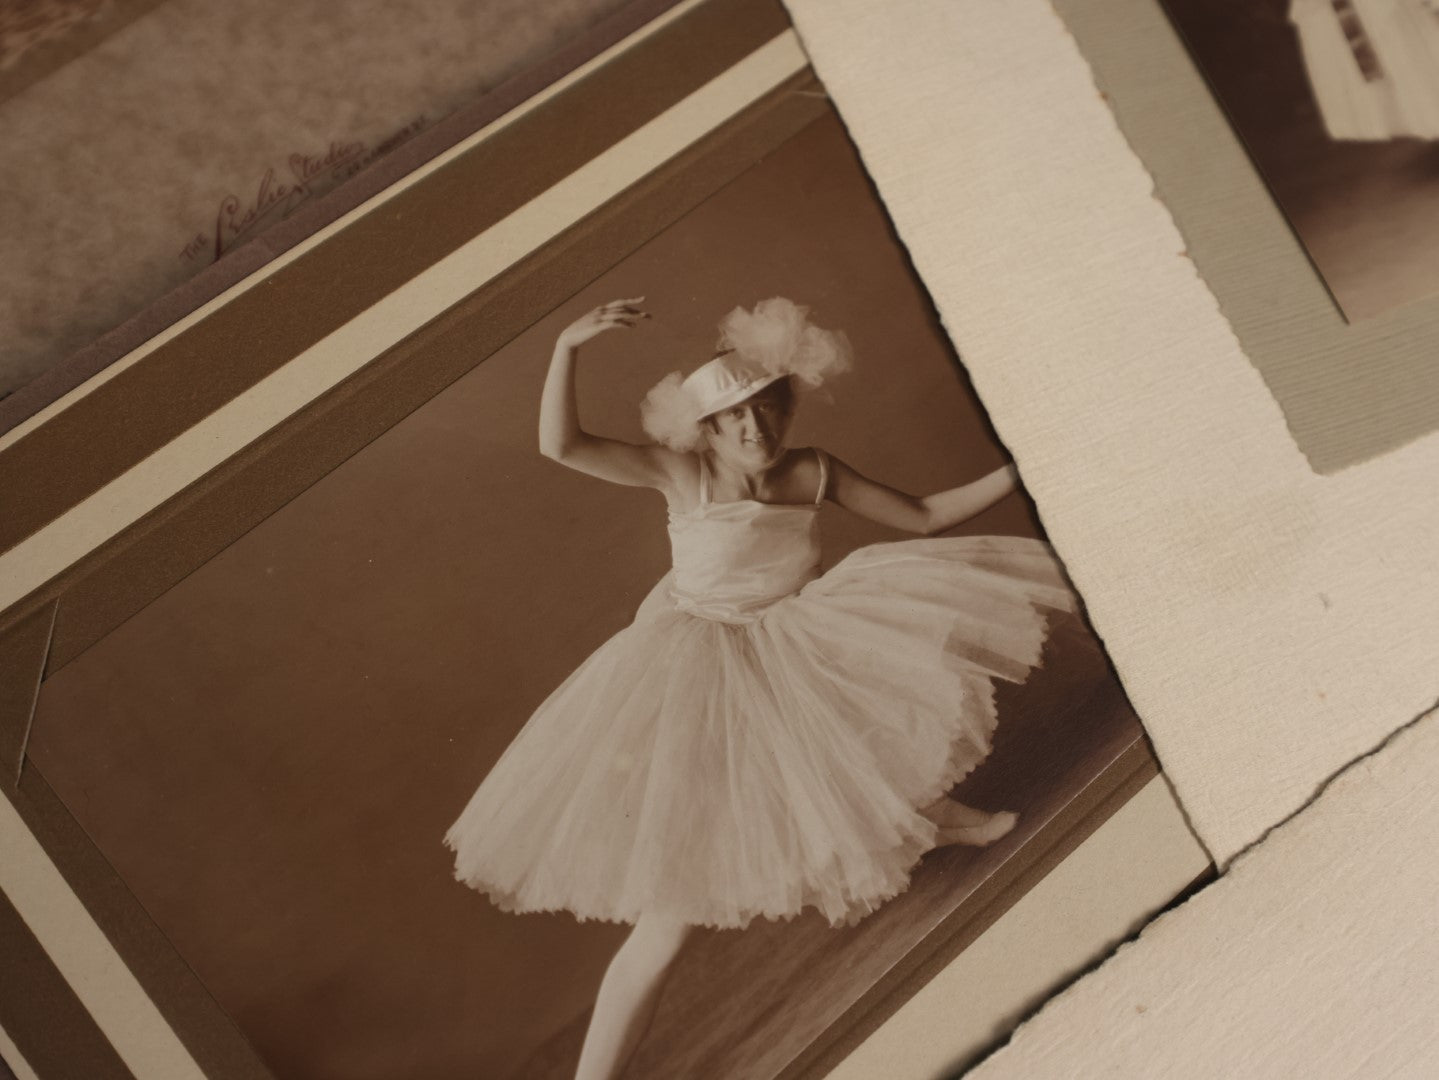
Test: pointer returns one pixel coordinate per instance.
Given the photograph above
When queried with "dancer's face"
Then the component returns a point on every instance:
(750, 435)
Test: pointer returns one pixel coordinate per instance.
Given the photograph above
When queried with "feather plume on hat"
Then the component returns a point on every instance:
(759, 347)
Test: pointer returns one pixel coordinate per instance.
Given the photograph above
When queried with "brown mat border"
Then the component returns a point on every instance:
(207, 1032)
(24, 649)
(47, 1021)
(102, 435)
(71, 1045)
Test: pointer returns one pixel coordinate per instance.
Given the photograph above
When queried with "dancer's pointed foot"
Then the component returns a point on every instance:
(976, 833)
(947, 811)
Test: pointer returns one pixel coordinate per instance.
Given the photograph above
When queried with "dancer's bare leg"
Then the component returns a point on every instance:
(960, 824)
(628, 995)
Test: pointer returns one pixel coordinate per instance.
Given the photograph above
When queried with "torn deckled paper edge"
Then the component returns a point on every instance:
(1316, 955)
(1270, 625)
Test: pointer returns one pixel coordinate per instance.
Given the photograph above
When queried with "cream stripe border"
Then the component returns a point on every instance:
(88, 962)
(328, 362)
(10, 1054)
(320, 236)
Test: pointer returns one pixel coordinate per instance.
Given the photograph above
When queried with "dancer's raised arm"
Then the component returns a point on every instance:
(928, 514)
(561, 437)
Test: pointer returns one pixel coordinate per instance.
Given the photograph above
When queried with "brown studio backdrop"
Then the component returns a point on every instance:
(271, 752)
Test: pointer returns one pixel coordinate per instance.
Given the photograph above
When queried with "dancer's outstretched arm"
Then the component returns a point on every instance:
(928, 514)
(561, 437)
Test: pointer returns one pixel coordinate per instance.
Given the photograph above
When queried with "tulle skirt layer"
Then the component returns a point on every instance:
(711, 772)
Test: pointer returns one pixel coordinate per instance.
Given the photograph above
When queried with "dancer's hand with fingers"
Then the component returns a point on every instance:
(563, 439)
(605, 317)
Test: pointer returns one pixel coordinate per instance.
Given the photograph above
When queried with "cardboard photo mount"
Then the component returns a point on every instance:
(134, 479)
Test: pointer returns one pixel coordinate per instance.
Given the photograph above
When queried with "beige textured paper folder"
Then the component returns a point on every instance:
(1315, 956)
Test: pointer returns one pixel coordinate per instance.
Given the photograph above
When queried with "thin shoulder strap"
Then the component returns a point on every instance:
(823, 459)
(704, 480)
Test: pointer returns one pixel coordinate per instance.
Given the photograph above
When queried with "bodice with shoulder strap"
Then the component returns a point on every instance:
(732, 560)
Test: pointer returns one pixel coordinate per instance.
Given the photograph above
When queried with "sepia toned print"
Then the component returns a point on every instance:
(1337, 101)
(271, 752)
(762, 738)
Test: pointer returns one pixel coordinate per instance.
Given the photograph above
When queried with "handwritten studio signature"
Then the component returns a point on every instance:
(276, 195)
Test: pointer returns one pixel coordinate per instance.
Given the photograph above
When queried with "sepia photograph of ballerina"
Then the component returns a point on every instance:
(763, 737)
(703, 615)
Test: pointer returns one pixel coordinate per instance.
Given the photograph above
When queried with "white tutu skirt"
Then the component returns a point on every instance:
(710, 771)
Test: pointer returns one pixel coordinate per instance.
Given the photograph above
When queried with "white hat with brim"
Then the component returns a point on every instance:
(774, 341)
(726, 381)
